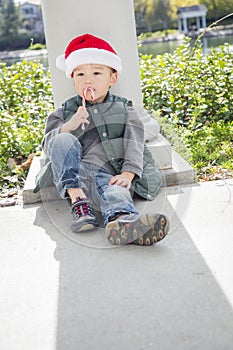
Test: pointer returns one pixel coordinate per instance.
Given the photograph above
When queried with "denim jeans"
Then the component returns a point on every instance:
(65, 153)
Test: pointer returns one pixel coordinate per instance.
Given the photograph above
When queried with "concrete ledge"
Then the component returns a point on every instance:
(162, 152)
(151, 126)
(29, 197)
(151, 129)
(180, 173)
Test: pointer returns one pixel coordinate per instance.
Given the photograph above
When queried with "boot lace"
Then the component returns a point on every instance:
(82, 208)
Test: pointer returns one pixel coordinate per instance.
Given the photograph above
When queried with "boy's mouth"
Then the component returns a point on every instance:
(89, 92)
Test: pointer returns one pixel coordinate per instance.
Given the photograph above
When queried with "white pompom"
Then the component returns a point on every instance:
(61, 62)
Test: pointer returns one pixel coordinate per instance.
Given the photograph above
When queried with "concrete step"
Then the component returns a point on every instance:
(151, 126)
(162, 152)
(159, 146)
(179, 173)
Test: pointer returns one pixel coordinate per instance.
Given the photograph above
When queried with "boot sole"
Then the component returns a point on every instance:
(83, 228)
(148, 229)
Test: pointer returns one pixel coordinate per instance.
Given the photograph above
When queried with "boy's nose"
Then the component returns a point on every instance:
(88, 80)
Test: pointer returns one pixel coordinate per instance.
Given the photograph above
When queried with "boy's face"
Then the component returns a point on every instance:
(96, 76)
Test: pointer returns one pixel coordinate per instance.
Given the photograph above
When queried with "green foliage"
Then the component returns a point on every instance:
(194, 93)
(212, 145)
(37, 46)
(20, 41)
(10, 19)
(12, 34)
(218, 8)
(157, 14)
(25, 102)
(158, 34)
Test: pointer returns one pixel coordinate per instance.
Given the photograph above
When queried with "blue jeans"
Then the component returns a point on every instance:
(65, 153)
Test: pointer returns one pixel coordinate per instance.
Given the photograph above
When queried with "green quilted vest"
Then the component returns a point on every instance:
(110, 119)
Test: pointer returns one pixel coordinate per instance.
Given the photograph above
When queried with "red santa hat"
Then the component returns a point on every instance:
(87, 49)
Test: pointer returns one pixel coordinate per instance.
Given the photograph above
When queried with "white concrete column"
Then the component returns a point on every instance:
(110, 19)
(203, 21)
(179, 25)
(185, 26)
(198, 23)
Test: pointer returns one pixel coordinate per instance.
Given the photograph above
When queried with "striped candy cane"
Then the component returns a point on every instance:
(88, 89)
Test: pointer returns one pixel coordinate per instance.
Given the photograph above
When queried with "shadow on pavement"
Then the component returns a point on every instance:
(133, 298)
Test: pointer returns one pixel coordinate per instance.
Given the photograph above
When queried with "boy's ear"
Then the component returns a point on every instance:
(114, 78)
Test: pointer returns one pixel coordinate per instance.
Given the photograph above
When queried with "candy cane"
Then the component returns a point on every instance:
(88, 88)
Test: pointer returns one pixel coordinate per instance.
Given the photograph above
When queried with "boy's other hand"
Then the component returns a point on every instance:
(124, 179)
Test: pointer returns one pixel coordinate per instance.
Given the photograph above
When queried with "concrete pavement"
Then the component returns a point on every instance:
(65, 291)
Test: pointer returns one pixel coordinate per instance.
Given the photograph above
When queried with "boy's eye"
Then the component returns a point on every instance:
(97, 73)
(78, 74)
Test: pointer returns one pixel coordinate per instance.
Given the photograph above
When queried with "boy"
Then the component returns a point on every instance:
(95, 147)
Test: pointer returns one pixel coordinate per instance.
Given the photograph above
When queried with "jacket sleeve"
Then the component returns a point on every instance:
(52, 127)
(133, 143)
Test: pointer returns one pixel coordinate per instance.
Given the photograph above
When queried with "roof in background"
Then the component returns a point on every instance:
(33, 2)
(192, 8)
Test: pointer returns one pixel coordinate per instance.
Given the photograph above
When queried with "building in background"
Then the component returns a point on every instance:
(31, 16)
(197, 13)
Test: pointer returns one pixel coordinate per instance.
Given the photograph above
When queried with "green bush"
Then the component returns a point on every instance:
(194, 93)
(25, 102)
(21, 41)
(37, 47)
(157, 34)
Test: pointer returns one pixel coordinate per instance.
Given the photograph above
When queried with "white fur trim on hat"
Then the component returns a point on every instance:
(88, 56)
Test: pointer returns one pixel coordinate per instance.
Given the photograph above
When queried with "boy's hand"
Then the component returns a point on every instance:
(80, 117)
(124, 179)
